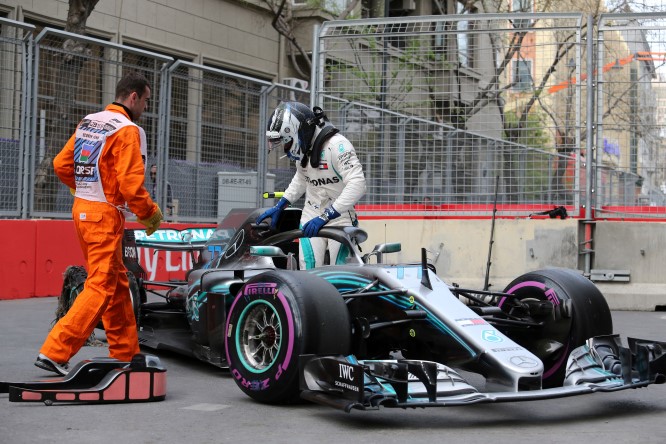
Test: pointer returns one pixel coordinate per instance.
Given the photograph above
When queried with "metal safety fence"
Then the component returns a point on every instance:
(202, 124)
(15, 71)
(456, 110)
(631, 115)
(76, 76)
(459, 112)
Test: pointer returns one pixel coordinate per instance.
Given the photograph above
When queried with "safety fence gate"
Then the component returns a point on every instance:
(471, 110)
(456, 110)
(15, 71)
(631, 116)
(75, 76)
(202, 124)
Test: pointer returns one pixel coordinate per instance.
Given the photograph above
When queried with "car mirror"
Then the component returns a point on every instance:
(380, 249)
(271, 251)
(267, 251)
(392, 247)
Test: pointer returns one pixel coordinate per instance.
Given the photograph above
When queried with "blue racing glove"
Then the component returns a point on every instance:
(274, 213)
(312, 227)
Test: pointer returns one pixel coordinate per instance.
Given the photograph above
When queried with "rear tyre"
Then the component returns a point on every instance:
(136, 295)
(73, 281)
(579, 313)
(276, 317)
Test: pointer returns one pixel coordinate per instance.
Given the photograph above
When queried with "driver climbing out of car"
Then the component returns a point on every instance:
(327, 171)
(103, 164)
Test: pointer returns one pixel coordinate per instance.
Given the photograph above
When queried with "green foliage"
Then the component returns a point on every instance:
(409, 62)
(532, 133)
(536, 163)
(332, 7)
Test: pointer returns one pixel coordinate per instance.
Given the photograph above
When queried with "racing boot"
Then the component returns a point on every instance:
(46, 363)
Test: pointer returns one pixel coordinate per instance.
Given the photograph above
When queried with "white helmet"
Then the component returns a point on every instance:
(291, 128)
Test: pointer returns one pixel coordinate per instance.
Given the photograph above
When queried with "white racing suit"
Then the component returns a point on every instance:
(338, 182)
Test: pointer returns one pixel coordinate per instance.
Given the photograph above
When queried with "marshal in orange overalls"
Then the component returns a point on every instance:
(103, 162)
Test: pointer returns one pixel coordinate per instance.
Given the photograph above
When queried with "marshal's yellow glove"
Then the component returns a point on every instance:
(153, 222)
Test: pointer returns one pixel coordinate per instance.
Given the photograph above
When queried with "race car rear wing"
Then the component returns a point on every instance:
(190, 239)
(174, 240)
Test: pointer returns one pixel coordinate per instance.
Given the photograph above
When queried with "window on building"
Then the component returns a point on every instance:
(522, 75)
(464, 36)
(522, 6)
(455, 40)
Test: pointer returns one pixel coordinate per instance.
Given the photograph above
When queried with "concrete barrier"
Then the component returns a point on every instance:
(459, 250)
(35, 253)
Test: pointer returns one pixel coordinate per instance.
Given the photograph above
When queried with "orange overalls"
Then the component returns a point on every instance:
(103, 162)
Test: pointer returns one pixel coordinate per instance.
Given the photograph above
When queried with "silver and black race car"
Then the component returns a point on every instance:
(367, 334)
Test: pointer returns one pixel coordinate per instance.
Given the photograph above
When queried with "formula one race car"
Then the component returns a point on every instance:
(366, 334)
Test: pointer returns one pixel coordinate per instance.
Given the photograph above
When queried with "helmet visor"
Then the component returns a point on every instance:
(275, 142)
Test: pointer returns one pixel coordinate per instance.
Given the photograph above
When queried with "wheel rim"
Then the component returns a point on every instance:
(259, 336)
(556, 329)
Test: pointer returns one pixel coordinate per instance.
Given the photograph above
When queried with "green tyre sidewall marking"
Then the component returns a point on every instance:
(239, 331)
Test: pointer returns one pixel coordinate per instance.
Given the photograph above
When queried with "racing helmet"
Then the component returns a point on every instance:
(291, 128)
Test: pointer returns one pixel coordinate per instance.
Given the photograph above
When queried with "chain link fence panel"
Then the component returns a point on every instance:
(76, 76)
(15, 71)
(457, 110)
(213, 141)
(631, 116)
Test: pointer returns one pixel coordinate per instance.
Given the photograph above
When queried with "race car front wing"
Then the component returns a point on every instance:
(600, 365)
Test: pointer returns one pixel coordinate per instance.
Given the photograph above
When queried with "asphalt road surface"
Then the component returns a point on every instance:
(203, 405)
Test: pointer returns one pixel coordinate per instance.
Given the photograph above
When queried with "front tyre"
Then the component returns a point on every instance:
(276, 317)
(579, 312)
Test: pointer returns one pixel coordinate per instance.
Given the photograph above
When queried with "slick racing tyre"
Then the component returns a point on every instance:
(579, 313)
(277, 316)
(73, 280)
(75, 277)
(138, 296)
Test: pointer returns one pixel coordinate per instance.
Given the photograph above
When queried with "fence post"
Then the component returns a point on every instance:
(590, 167)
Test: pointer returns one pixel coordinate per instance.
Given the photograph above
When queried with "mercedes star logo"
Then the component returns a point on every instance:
(523, 361)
